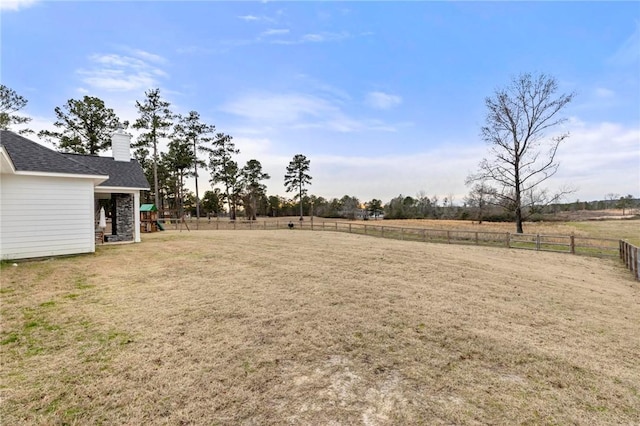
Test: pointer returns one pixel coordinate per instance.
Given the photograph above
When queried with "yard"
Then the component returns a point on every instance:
(274, 327)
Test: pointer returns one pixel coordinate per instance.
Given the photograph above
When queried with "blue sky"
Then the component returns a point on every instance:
(383, 97)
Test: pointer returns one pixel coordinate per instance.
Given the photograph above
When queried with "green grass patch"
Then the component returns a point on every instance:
(11, 338)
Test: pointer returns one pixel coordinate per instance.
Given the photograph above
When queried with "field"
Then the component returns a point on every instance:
(628, 229)
(291, 327)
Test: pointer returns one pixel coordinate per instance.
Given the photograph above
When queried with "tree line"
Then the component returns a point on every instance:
(85, 126)
(508, 184)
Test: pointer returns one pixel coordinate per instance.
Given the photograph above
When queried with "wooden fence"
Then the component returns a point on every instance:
(629, 255)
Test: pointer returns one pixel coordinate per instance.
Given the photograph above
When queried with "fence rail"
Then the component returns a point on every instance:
(603, 247)
(629, 255)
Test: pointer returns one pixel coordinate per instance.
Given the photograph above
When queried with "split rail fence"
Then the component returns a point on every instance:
(629, 255)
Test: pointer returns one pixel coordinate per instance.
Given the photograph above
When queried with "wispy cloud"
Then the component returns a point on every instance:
(274, 31)
(299, 111)
(254, 18)
(629, 52)
(604, 93)
(382, 100)
(15, 5)
(320, 37)
(115, 72)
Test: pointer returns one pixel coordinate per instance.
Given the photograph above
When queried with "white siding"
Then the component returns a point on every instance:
(45, 216)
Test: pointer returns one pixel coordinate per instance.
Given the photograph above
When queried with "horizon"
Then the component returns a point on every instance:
(383, 98)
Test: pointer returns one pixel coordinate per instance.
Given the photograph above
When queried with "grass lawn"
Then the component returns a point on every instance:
(277, 327)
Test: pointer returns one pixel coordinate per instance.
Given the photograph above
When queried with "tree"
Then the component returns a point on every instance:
(625, 203)
(251, 176)
(374, 207)
(225, 170)
(179, 159)
(297, 177)
(480, 196)
(192, 130)
(611, 200)
(521, 157)
(212, 202)
(155, 118)
(349, 207)
(85, 126)
(10, 103)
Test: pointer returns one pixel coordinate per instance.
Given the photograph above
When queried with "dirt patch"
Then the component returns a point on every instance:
(272, 327)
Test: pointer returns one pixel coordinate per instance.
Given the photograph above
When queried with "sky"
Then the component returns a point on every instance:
(384, 98)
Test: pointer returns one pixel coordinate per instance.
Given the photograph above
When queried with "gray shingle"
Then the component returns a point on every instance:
(121, 174)
(28, 156)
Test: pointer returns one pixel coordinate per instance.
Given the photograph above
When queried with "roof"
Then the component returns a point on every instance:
(29, 156)
(122, 174)
(148, 208)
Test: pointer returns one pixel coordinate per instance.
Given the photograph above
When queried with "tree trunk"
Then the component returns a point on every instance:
(195, 172)
(155, 176)
(300, 201)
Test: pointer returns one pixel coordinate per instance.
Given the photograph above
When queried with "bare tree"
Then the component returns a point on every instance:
(479, 198)
(522, 157)
(611, 199)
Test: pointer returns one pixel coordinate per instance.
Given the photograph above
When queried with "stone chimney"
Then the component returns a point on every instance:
(120, 145)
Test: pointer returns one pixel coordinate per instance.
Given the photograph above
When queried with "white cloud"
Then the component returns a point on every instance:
(274, 31)
(15, 5)
(147, 56)
(254, 18)
(115, 72)
(381, 100)
(599, 158)
(602, 92)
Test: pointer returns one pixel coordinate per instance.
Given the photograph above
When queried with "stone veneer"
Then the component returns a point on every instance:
(122, 214)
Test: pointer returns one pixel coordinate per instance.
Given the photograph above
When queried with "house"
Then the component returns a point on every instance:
(49, 200)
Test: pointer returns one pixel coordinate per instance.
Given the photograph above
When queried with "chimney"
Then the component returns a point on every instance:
(120, 141)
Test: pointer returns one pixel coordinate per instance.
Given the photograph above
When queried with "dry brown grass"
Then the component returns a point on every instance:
(273, 327)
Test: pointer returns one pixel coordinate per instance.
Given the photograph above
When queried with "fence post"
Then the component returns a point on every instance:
(636, 263)
(382, 231)
(476, 237)
(265, 224)
(250, 226)
(424, 235)
(216, 225)
(508, 235)
(538, 242)
(402, 234)
(336, 225)
(234, 225)
(448, 237)
(621, 249)
(365, 230)
(573, 244)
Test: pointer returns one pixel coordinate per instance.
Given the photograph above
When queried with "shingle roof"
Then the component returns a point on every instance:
(27, 155)
(123, 174)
